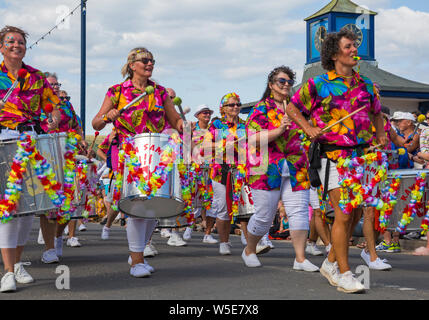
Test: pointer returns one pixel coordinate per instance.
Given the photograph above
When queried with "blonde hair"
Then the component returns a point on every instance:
(134, 55)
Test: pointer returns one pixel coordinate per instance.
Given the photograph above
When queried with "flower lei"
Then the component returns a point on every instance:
(27, 152)
(425, 222)
(353, 192)
(205, 189)
(240, 177)
(410, 210)
(390, 197)
(84, 182)
(188, 190)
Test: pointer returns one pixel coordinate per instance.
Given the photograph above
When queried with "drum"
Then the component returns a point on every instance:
(167, 202)
(408, 179)
(245, 207)
(33, 200)
(175, 222)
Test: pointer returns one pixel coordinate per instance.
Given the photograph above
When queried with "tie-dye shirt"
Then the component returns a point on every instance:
(222, 131)
(146, 115)
(26, 105)
(265, 167)
(69, 119)
(328, 98)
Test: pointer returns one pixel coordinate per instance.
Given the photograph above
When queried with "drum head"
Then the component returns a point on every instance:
(153, 208)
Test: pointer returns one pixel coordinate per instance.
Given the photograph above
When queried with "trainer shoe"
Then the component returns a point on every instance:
(40, 239)
(147, 266)
(394, 247)
(66, 230)
(208, 238)
(105, 233)
(176, 240)
(59, 246)
(262, 247)
(73, 242)
(305, 266)
(82, 227)
(267, 241)
(21, 275)
(225, 248)
(148, 252)
(8, 282)
(382, 246)
(312, 249)
(379, 264)
(187, 234)
(250, 260)
(50, 256)
(330, 271)
(165, 233)
(139, 271)
(243, 239)
(152, 247)
(328, 248)
(349, 284)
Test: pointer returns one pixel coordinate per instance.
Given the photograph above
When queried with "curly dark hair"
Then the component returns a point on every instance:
(331, 47)
(272, 77)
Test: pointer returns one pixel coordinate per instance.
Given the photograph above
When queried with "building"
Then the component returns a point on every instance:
(396, 92)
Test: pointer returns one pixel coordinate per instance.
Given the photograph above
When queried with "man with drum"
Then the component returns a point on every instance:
(325, 98)
(20, 113)
(147, 115)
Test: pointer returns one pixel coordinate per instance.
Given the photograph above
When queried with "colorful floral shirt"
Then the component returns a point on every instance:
(222, 131)
(328, 98)
(146, 115)
(26, 105)
(69, 119)
(104, 145)
(265, 167)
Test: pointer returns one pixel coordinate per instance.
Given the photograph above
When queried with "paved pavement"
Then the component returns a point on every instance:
(99, 270)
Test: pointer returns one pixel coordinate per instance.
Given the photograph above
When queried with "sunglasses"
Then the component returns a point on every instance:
(147, 60)
(283, 81)
(67, 98)
(238, 105)
(205, 112)
(56, 85)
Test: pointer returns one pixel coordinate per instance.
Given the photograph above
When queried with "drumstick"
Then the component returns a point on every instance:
(48, 110)
(178, 102)
(420, 119)
(21, 76)
(92, 144)
(149, 90)
(324, 130)
(400, 151)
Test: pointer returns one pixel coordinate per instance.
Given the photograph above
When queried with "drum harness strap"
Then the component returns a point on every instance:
(318, 151)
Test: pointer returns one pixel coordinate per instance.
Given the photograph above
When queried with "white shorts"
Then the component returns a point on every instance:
(314, 199)
(334, 176)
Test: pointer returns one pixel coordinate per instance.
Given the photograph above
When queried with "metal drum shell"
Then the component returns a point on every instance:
(179, 221)
(245, 208)
(34, 200)
(168, 200)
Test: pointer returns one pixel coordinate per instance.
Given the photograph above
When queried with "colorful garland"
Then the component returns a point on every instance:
(353, 192)
(425, 221)
(410, 210)
(239, 180)
(390, 198)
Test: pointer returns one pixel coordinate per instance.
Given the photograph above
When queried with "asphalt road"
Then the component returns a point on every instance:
(99, 270)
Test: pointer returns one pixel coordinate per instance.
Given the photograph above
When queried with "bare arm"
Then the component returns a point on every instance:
(107, 109)
(296, 116)
(172, 115)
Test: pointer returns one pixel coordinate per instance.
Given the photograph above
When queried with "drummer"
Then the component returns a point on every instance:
(15, 117)
(223, 131)
(157, 110)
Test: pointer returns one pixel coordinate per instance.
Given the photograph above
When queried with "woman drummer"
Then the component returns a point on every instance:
(20, 113)
(224, 131)
(148, 115)
(277, 169)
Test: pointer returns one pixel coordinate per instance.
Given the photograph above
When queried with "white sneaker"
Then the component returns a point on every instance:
(50, 256)
(379, 264)
(66, 230)
(21, 275)
(165, 233)
(305, 266)
(250, 260)
(225, 248)
(73, 242)
(328, 248)
(148, 252)
(139, 271)
(105, 233)
(59, 246)
(8, 282)
(176, 240)
(147, 266)
(208, 238)
(40, 239)
(312, 249)
(82, 227)
(330, 271)
(152, 247)
(267, 241)
(349, 284)
(187, 234)
(262, 247)
(243, 239)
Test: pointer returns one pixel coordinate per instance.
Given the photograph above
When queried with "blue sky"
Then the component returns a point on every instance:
(203, 48)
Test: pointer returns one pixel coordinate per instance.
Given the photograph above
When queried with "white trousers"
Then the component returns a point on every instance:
(16, 232)
(266, 202)
(139, 232)
(219, 208)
